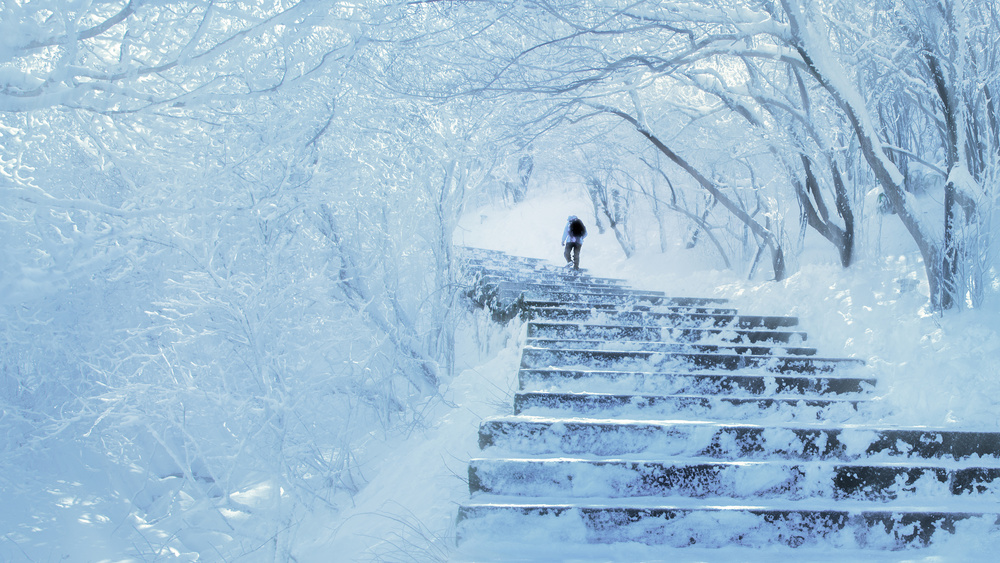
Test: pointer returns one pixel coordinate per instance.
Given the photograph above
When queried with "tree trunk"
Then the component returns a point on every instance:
(768, 238)
(888, 175)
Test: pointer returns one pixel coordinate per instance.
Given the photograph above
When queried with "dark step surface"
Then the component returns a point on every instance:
(571, 286)
(699, 478)
(679, 319)
(536, 436)
(473, 256)
(607, 405)
(695, 383)
(598, 306)
(667, 347)
(722, 526)
(645, 296)
(553, 329)
(534, 358)
(503, 267)
(560, 281)
(632, 299)
(541, 274)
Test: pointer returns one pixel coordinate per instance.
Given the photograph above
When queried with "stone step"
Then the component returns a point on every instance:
(676, 319)
(609, 437)
(597, 305)
(534, 358)
(583, 292)
(569, 287)
(477, 256)
(692, 383)
(667, 347)
(512, 272)
(871, 526)
(552, 329)
(633, 299)
(502, 266)
(546, 277)
(608, 405)
(542, 275)
(698, 478)
(543, 284)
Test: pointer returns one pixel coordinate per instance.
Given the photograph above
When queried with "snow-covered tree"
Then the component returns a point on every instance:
(825, 77)
(227, 260)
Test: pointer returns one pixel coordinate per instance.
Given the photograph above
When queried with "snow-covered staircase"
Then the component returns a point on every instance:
(679, 421)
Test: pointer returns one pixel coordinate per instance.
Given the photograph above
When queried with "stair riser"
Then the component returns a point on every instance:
(571, 287)
(532, 273)
(656, 406)
(660, 334)
(679, 319)
(507, 267)
(732, 442)
(563, 283)
(476, 255)
(635, 298)
(714, 528)
(625, 479)
(533, 358)
(600, 306)
(690, 384)
(633, 479)
(668, 347)
(506, 270)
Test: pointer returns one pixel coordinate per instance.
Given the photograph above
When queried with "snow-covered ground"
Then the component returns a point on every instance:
(933, 371)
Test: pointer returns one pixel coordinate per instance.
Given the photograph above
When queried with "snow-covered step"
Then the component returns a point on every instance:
(573, 287)
(667, 347)
(719, 440)
(670, 318)
(672, 383)
(534, 358)
(545, 280)
(543, 275)
(575, 478)
(613, 332)
(607, 405)
(631, 298)
(585, 293)
(472, 257)
(561, 292)
(873, 526)
(542, 284)
(599, 305)
(502, 267)
(477, 251)
(502, 261)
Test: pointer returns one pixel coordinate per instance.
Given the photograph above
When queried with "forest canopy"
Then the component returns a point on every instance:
(249, 208)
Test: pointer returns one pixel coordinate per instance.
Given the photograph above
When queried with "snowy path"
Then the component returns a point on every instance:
(778, 466)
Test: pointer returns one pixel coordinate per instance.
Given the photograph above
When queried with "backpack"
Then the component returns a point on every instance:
(577, 229)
